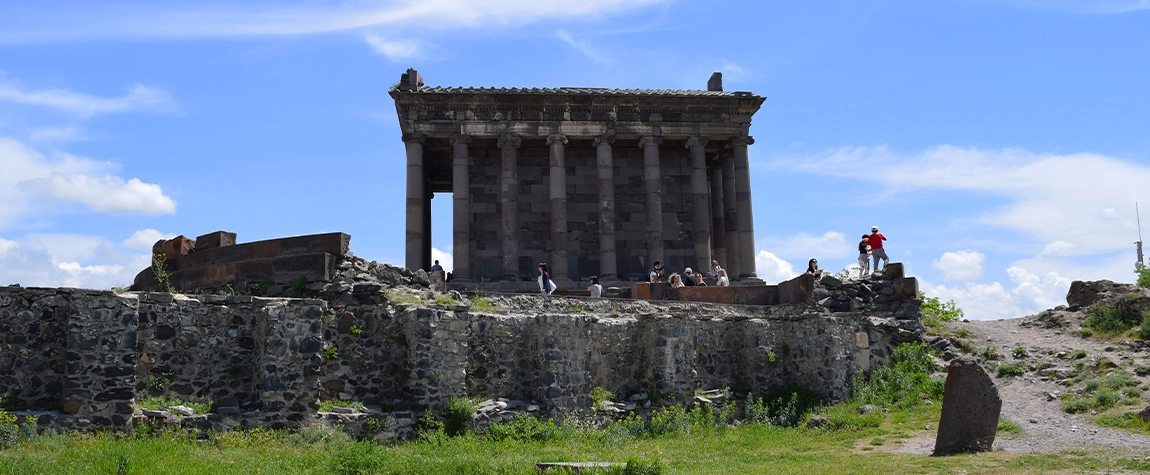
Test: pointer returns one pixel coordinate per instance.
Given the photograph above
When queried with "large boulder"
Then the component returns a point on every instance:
(970, 408)
(173, 248)
(1085, 293)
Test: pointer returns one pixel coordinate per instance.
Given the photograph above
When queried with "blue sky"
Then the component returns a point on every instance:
(1000, 145)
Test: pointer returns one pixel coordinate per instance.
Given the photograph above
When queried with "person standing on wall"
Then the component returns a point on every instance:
(864, 256)
(546, 286)
(876, 251)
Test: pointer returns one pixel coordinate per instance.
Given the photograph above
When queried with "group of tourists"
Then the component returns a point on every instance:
(870, 248)
(690, 278)
(547, 286)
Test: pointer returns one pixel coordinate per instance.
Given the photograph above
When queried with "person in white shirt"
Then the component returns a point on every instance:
(595, 289)
(723, 281)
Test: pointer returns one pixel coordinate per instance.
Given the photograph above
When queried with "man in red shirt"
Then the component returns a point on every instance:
(876, 251)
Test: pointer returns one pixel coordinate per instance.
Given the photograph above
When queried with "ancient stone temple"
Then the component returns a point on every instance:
(592, 181)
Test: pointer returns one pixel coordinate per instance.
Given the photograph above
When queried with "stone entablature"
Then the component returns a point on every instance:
(93, 354)
(593, 181)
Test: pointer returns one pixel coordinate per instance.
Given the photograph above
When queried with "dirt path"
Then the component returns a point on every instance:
(1031, 402)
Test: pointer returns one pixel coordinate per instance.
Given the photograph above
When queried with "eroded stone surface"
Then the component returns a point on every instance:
(970, 409)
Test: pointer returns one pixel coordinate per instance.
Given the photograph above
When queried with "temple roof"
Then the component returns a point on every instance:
(588, 91)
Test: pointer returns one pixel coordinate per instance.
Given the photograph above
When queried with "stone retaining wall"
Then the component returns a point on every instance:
(94, 355)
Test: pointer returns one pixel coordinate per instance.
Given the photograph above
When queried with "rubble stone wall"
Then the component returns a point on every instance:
(270, 361)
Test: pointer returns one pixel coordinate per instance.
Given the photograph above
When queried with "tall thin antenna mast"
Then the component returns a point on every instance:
(1138, 265)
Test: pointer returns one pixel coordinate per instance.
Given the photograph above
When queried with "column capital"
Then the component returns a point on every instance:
(414, 137)
(650, 139)
(510, 138)
(743, 140)
(460, 139)
(697, 140)
(556, 138)
(607, 138)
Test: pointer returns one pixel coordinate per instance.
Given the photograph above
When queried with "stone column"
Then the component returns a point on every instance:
(653, 178)
(558, 208)
(461, 209)
(416, 202)
(746, 225)
(509, 198)
(717, 222)
(701, 209)
(730, 219)
(604, 162)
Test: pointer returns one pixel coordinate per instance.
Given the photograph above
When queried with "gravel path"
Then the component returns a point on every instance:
(1025, 399)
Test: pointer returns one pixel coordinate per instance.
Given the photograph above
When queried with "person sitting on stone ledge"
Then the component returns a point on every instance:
(813, 268)
(436, 267)
(689, 278)
(676, 281)
(723, 280)
(715, 269)
(595, 289)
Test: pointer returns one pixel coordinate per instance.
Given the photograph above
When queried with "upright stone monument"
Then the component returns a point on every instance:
(970, 409)
(593, 181)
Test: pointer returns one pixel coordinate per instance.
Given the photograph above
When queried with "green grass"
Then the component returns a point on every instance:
(161, 403)
(1008, 427)
(1018, 368)
(326, 406)
(747, 449)
(1129, 421)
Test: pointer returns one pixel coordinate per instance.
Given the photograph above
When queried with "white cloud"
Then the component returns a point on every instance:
(803, 246)
(57, 134)
(444, 259)
(144, 239)
(960, 265)
(31, 182)
(395, 50)
(1031, 294)
(582, 46)
(101, 20)
(1058, 248)
(1083, 200)
(66, 260)
(1082, 6)
(138, 98)
(772, 269)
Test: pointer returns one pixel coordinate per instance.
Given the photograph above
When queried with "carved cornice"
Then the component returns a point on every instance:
(697, 140)
(744, 140)
(556, 138)
(650, 139)
(409, 137)
(510, 138)
(460, 139)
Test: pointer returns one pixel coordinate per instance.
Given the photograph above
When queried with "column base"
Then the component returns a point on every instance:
(749, 281)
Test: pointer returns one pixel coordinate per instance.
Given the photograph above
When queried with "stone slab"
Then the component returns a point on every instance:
(970, 409)
(800, 289)
(214, 240)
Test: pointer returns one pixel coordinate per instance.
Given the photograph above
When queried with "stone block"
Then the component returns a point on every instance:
(862, 340)
(641, 291)
(906, 287)
(862, 360)
(214, 240)
(970, 409)
(893, 271)
(800, 289)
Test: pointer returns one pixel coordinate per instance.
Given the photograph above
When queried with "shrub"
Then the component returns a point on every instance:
(1144, 328)
(989, 353)
(9, 431)
(1017, 368)
(784, 407)
(1143, 276)
(481, 304)
(1113, 318)
(458, 415)
(524, 428)
(331, 352)
(299, 289)
(933, 308)
(163, 277)
(1020, 352)
(1078, 354)
(905, 382)
(1142, 370)
(1005, 425)
(1076, 406)
(1106, 398)
(598, 395)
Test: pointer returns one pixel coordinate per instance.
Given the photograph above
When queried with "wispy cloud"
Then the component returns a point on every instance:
(1080, 6)
(138, 98)
(396, 50)
(582, 46)
(104, 20)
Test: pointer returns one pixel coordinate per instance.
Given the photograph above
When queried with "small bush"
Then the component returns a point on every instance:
(524, 428)
(1142, 370)
(1076, 406)
(935, 309)
(1078, 354)
(904, 383)
(1143, 276)
(989, 353)
(1112, 319)
(481, 304)
(299, 289)
(9, 431)
(1017, 368)
(1020, 352)
(1005, 425)
(458, 415)
(598, 395)
(356, 330)
(1144, 328)
(785, 407)
(1106, 398)
(331, 352)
